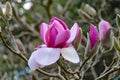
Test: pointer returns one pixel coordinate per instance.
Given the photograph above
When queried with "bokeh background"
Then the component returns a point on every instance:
(27, 15)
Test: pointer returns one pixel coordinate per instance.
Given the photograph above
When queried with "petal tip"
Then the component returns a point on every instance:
(76, 61)
(70, 54)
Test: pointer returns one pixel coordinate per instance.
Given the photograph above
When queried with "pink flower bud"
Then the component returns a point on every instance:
(104, 26)
(94, 37)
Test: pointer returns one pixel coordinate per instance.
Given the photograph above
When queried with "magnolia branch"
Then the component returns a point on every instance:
(24, 24)
(107, 73)
(26, 60)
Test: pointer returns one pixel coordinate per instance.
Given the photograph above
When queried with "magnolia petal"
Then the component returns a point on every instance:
(60, 21)
(74, 32)
(93, 36)
(43, 30)
(61, 38)
(104, 26)
(47, 56)
(32, 63)
(58, 26)
(78, 39)
(70, 54)
(51, 36)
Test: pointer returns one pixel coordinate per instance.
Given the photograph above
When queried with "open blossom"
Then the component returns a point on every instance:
(104, 27)
(58, 42)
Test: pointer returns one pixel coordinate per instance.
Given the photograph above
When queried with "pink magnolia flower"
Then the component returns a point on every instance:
(94, 37)
(58, 42)
(104, 26)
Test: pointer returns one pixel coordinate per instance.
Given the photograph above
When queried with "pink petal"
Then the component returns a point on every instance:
(32, 63)
(51, 36)
(47, 56)
(60, 21)
(61, 38)
(43, 30)
(70, 54)
(93, 36)
(74, 32)
(57, 25)
(104, 26)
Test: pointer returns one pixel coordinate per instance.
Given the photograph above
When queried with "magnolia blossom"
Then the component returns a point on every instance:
(104, 27)
(94, 37)
(58, 42)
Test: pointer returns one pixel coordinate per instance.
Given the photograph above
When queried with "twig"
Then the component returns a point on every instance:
(6, 45)
(84, 63)
(12, 50)
(10, 33)
(69, 72)
(107, 73)
(26, 60)
(111, 65)
(48, 74)
(24, 24)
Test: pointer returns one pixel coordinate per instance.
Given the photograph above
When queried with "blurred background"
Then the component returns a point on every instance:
(27, 15)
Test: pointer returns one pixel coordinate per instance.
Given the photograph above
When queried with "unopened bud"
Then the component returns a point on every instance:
(8, 11)
(84, 15)
(20, 45)
(90, 10)
(108, 40)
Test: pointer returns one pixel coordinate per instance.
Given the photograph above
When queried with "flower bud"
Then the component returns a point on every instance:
(104, 27)
(90, 10)
(105, 34)
(108, 41)
(84, 15)
(20, 45)
(8, 11)
(93, 36)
